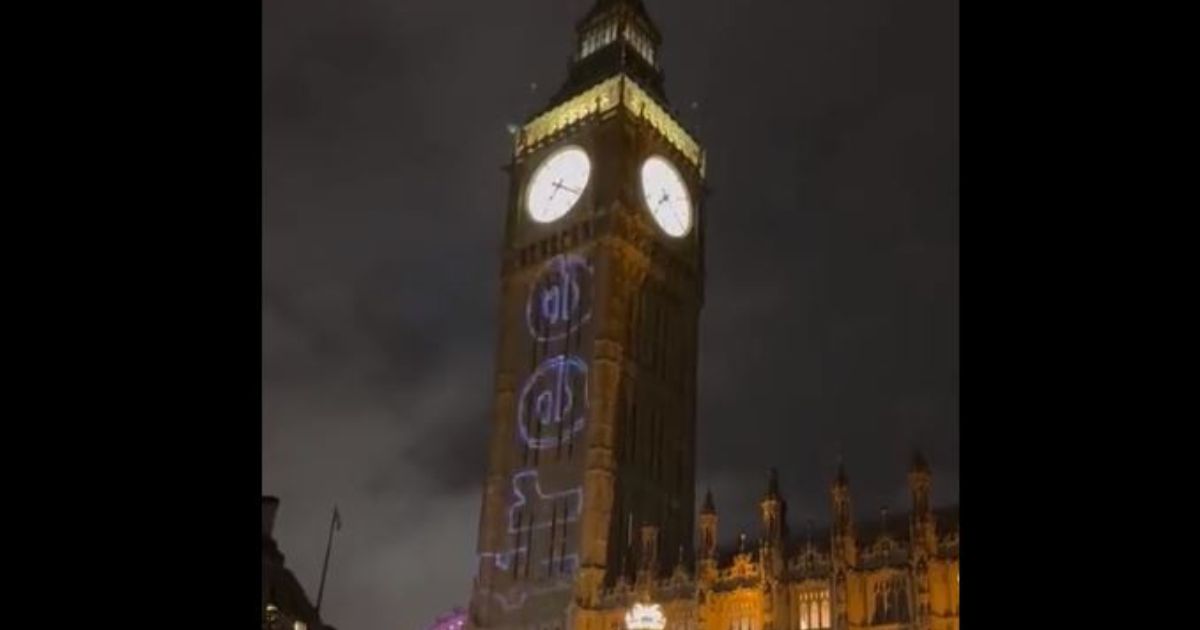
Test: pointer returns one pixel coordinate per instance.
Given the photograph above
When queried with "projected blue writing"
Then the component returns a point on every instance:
(560, 299)
(553, 404)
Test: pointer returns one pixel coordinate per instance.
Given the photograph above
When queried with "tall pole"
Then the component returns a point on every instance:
(334, 522)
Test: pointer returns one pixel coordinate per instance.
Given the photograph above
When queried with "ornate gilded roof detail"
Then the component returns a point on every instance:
(605, 96)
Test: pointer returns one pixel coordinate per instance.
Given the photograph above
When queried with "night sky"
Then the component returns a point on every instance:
(831, 325)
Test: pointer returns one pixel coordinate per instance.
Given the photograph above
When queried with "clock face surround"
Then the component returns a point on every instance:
(666, 196)
(557, 184)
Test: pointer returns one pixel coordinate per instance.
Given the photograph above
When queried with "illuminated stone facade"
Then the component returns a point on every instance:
(588, 503)
(593, 426)
(894, 576)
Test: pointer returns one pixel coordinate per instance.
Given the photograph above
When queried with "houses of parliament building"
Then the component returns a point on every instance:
(588, 518)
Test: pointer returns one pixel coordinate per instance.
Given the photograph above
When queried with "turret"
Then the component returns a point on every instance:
(773, 512)
(707, 566)
(923, 532)
(844, 545)
(708, 528)
(924, 528)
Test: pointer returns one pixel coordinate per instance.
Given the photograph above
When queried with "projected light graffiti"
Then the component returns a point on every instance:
(527, 491)
(560, 300)
(513, 598)
(546, 502)
(534, 509)
(529, 498)
(504, 559)
(553, 403)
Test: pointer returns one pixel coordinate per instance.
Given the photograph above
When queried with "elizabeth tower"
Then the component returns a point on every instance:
(591, 463)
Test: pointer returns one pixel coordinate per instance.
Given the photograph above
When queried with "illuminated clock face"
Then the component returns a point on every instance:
(666, 196)
(557, 184)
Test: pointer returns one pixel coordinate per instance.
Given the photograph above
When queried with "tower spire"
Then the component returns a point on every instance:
(843, 543)
(923, 525)
(773, 484)
(615, 37)
(918, 462)
(774, 526)
(923, 534)
(919, 481)
(843, 536)
(774, 510)
(707, 566)
(602, 7)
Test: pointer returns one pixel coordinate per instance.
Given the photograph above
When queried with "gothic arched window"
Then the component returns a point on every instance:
(880, 608)
(902, 601)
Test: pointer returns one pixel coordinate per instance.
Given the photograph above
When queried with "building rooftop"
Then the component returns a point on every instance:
(867, 533)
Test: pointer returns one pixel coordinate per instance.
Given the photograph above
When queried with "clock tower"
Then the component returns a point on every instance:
(593, 425)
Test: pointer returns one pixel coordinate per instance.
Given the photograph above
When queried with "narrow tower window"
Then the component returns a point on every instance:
(598, 38)
(640, 43)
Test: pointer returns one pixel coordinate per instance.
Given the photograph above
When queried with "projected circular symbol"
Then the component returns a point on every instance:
(561, 298)
(553, 404)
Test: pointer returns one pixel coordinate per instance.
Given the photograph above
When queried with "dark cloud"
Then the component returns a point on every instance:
(831, 325)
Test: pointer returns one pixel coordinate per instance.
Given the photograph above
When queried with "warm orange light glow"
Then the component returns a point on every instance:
(645, 617)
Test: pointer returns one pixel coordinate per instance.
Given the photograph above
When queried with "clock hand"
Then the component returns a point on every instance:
(681, 218)
(675, 217)
(560, 185)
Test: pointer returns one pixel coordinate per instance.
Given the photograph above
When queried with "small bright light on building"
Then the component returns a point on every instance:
(299, 625)
(645, 617)
(453, 620)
